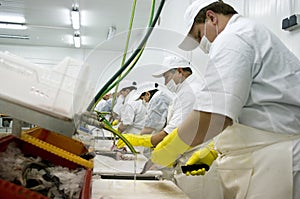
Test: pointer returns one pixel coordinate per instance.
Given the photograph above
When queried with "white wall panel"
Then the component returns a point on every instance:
(270, 13)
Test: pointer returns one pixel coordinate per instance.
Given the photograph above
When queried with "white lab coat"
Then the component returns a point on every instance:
(183, 102)
(253, 78)
(133, 114)
(157, 111)
(119, 105)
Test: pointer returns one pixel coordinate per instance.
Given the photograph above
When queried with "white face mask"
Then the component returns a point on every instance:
(171, 86)
(144, 102)
(205, 43)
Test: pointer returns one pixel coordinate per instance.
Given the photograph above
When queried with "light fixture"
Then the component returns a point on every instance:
(75, 17)
(111, 32)
(16, 26)
(10, 18)
(8, 36)
(77, 40)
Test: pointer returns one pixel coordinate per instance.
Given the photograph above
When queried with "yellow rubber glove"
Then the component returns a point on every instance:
(169, 149)
(205, 156)
(115, 122)
(136, 140)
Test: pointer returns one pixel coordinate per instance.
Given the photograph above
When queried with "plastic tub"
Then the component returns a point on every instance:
(9, 190)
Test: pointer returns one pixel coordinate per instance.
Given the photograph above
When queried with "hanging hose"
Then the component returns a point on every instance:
(131, 63)
(125, 52)
(138, 56)
(140, 48)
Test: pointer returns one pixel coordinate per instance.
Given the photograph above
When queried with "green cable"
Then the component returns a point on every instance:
(120, 78)
(102, 91)
(125, 50)
(107, 126)
(134, 57)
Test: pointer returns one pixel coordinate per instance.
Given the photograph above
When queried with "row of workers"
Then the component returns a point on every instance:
(249, 106)
(148, 112)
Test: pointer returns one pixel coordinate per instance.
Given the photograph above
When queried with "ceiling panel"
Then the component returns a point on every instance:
(49, 22)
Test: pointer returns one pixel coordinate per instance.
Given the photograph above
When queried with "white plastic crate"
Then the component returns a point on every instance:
(43, 88)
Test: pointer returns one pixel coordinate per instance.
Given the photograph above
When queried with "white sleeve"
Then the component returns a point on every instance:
(127, 115)
(228, 77)
(157, 112)
(181, 108)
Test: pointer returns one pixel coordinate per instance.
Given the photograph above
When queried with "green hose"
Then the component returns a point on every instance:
(125, 51)
(102, 91)
(133, 58)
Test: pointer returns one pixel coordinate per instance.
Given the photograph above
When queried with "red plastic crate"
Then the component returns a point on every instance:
(60, 145)
(11, 191)
(66, 143)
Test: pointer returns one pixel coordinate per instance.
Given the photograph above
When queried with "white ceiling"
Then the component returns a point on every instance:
(49, 22)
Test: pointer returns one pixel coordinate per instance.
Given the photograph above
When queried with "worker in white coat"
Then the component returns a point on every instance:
(126, 89)
(252, 96)
(133, 117)
(157, 103)
(179, 78)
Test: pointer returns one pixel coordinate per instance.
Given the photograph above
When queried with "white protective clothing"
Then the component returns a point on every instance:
(119, 105)
(253, 78)
(157, 111)
(247, 154)
(133, 114)
(258, 85)
(184, 102)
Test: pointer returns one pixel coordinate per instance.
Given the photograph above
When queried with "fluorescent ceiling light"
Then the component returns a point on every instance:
(75, 17)
(77, 40)
(7, 36)
(12, 19)
(16, 26)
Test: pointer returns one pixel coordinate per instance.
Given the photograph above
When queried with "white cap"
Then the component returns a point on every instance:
(191, 12)
(171, 62)
(126, 84)
(144, 87)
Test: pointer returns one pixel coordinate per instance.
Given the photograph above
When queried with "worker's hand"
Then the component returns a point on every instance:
(169, 150)
(204, 156)
(115, 122)
(136, 140)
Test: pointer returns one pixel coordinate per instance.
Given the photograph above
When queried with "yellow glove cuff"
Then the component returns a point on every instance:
(136, 140)
(169, 149)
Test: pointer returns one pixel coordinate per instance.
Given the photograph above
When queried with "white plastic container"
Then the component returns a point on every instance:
(44, 89)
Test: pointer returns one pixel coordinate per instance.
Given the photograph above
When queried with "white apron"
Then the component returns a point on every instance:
(255, 164)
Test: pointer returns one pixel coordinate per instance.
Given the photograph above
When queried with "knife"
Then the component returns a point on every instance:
(147, 166)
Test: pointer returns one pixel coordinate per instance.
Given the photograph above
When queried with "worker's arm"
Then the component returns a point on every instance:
(158, 137)
(202, 126)
(198, 127)
(122, 127)
(147, 130)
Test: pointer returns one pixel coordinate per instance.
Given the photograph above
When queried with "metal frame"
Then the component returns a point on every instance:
(28, 113)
